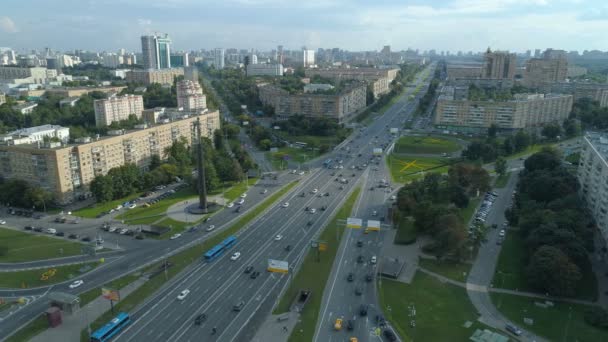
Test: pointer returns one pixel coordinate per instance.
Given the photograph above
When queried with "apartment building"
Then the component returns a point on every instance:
(593, 178)
(117, 108)
(379, 79)
(265, 70)
(190, 96)
(35, 74)
(499, 65)
(340, 107)
(66, 171)
(524, 111)
(594, 91)
(161, 76)
(542, 72)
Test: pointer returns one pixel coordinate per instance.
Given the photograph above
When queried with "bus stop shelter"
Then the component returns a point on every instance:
(68, 303)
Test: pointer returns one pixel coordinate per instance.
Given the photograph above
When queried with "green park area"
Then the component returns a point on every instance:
(16, 246)
(425, 145)
(560, 322)
(98, 208)
(443, 311)
(284, 155)
(406, 169)
(44, 276)
(314, 273)
(182, 260)
(457, 271)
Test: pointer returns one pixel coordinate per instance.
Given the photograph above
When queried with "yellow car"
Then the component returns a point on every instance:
(338, 324)
(353, 339)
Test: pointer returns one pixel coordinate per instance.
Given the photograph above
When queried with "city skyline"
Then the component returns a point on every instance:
(353, 25)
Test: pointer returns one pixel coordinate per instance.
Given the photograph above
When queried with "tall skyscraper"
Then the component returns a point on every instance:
(156, 52)
(280, 54)
(308, 57)
(219, 59)
(499, 65)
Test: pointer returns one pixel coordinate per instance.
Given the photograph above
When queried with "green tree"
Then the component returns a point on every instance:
(521, 141)
(458, 196)
(551, 131)
(155, 161)
(492, 130)
(265, 144)
(102, 188)
(551, 271)
(38, 197)
(500, 166)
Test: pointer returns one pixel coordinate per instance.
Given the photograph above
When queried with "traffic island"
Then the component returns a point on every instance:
(195, 208)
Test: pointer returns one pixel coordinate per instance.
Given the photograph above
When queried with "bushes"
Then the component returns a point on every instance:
(597, 317)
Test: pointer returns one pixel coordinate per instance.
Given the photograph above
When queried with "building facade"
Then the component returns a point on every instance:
(595, 91)
(147, 77)
(117, 108)
(593, 178)
(190, 96)
(66, 171)
(542, 72)
(525, 111)
(265, 70)
(308, 57)
(499, 65)
(379, 79)
(36, 74)
(156, 52)
(341, 107)
(36, 134)
(219, 58)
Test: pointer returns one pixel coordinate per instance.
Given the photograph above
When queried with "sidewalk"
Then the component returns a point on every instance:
(274, 331)
(72, 325)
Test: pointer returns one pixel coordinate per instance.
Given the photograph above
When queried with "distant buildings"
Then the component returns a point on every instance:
(117, 108)
(380, 79)
(156, 52)
(66, 171)
(219, 59)
(340, 107)
(36, 134)
(265, 70)
(592, 175)
(308, 57)
(34, 75)
(499, 65)
(179, 60)
(594, 91)
(551, 68)
(190, 96)
(524, 111)
(576, 71)
(25, 108)
(191, 73)
(464, 70)
(147, 77)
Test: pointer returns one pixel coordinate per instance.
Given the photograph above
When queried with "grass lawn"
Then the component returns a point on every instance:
(406, 169)
(97, 208)
(181, 261)
(441, 309)
(28, 247)
(175, 226)
(33, 278)
(452, 270)
(297, 155)
(234, 191)
(155, 211)
(467, 213)
(37, 326)
(406, 232)
(425, 144)
(511, 263)
(562, 322)
(501, 181)
(313, 275)
(92, 294)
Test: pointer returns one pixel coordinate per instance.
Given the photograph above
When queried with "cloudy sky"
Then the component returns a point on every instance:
(452, 25)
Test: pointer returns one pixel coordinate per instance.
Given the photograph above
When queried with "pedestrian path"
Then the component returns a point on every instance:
(72, 325)
(273, 330)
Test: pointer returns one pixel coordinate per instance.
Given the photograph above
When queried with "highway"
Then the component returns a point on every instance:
(339, 297)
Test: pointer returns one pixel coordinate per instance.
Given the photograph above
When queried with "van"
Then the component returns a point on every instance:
(51, 230)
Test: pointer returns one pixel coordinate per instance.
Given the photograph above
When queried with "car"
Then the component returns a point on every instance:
(175, 236)
(2, 222)
(183, 294)
(315, 190)
(313, 210)
(254, 274)
(123, 231)
(360, 259)
(248, 269)
(303, 194)
(73, 236)
(323, 208)
(264, 191)
(513, 329)
(301, 173)
(363, 310)
(130, 232)
(139, 236)
(338, 324)
(112, 229)
(235, 256)
(244, 195)
(373, 260)
(237, 210)
(238, 306)
(230, 205)
(358, 291)
(210, 228)
(501, 233)
(76, 283)
(51, 231)
(240, 201)
(118, 207)
(200, 319)
(132, 206)
(278, 237)
(326, 194)
(374, 213)
(85, 239)
(350, 277)
(350, 325)
(28, 227)
(285, 205)
(390, 335)
(287, 248)
(369, 278)
(59, 234)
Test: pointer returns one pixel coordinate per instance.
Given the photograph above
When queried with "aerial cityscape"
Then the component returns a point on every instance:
(325, 171)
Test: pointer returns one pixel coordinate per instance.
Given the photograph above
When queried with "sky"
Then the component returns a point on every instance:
(356, 25)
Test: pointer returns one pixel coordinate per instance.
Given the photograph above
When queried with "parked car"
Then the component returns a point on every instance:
(73, 236)
(513, 329)
(350, 277)
(59, 234)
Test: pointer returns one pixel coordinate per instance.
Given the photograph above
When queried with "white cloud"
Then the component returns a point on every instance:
(8, 25)
(144, 22)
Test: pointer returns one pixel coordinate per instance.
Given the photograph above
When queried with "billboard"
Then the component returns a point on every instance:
(353, 222)
(110, 294)
(279, 266)
(373, 225)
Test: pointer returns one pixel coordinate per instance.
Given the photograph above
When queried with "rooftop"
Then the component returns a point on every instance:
(32, 130)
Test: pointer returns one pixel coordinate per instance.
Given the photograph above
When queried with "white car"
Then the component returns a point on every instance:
(76, 284)
(264, 191)
(235, 256)
(314, 191)
(175, 236)
(118, 207)
(183, 294)
(374, 213)
(244, 195)
(373, 259)
(210, 228)
(286, 204)
(313, 210)
(301, 173)
(230, 205)
(501, 233)
(393, 198)
(278, 237)
(123, 231)
(2, 222)
(112, 229)
(132, 206)
(241, 201)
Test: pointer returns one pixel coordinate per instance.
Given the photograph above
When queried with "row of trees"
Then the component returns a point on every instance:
(20, 193)
(434, 202)
(556, 231)
(428, 98)
(492, 147)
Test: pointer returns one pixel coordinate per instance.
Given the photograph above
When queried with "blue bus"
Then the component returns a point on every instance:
(327, 163)
(218, 249)
(106, 332)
